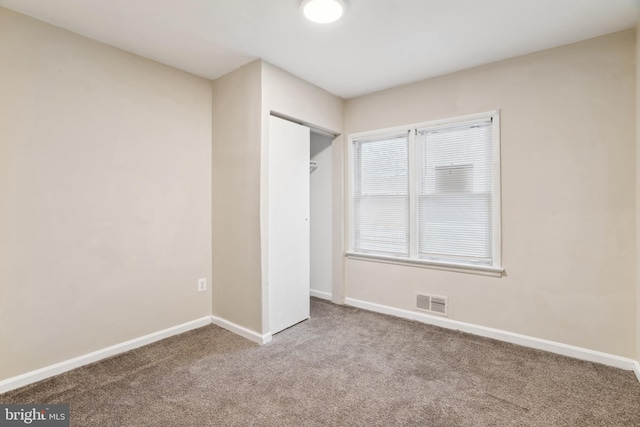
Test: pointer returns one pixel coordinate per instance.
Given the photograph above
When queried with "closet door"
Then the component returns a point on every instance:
(288, 223)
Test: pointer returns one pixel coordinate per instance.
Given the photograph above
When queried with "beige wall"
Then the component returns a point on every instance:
(637, 320)
(288, 95)
(568, 200)
(237, 100)
(104, 193)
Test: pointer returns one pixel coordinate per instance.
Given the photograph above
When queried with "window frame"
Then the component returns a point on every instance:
(495, 268)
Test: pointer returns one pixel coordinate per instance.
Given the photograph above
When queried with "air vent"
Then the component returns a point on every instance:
(432, 304)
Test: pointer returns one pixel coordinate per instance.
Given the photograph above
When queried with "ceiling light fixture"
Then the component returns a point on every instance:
(323, 11)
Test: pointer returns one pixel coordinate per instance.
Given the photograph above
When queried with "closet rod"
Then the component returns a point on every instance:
(313, 128)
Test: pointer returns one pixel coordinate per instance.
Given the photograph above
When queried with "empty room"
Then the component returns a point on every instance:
(319, 213)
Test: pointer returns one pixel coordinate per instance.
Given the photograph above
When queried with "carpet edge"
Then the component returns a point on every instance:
(506, 336)
(40, 374)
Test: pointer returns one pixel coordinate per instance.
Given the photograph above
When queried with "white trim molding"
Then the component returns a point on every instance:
(501, 335)
(320, 294)
(241, 330)
(67, 365)
(483, 270)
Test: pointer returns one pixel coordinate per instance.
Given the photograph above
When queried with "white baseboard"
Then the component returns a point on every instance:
(320, 294)
(241, 330)
(76, 362)
(498, 334)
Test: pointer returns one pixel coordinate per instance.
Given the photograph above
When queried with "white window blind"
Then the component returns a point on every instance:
(381, 195)
(454, 192)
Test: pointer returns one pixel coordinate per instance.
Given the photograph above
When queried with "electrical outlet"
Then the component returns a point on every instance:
(202, 284)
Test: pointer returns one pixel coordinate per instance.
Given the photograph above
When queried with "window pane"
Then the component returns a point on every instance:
(381, 195)
(383, 166)
(455, 225)
(381, 224)
(454, 167)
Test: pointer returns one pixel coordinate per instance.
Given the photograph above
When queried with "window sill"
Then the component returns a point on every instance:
(483, 270)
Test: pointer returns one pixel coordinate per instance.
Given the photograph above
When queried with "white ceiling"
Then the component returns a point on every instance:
(378, 43)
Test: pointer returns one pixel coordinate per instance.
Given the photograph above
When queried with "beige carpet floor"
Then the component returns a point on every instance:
(343, 367)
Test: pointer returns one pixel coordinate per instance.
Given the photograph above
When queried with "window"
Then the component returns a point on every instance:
(428, 194)
(381, 198)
